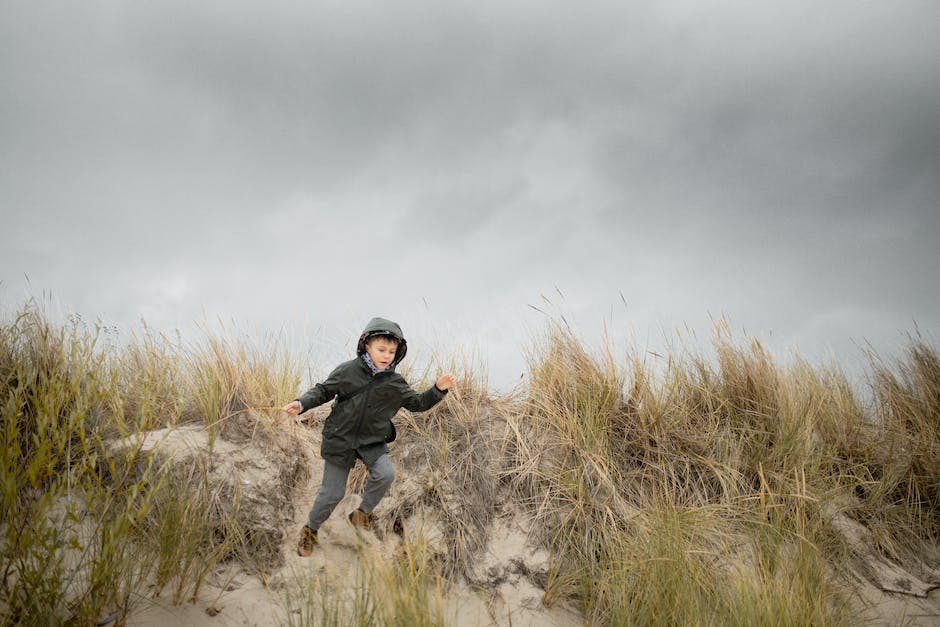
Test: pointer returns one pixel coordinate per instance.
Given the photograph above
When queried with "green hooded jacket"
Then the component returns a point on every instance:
(361, 425)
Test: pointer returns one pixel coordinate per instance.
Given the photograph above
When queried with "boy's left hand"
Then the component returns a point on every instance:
(446, 381)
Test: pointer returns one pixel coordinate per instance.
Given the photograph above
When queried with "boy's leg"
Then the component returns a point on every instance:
(332, 491)
(381, 475)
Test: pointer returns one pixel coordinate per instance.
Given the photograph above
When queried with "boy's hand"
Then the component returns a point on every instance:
(446, 381)
(293, 408)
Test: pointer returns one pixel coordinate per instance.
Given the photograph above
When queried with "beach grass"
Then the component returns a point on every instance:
(701, 488)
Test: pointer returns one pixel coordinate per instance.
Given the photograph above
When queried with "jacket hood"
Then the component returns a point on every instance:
(381, 326)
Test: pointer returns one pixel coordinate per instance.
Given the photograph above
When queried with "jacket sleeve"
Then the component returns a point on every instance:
(321, 393)
(424, 401)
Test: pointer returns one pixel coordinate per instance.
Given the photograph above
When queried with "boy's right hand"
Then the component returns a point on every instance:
(293, 408)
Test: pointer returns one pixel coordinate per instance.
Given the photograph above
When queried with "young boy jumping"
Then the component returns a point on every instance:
(368, 394)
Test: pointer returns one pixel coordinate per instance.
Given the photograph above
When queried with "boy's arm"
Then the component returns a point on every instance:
(429, 398)
(320, 393)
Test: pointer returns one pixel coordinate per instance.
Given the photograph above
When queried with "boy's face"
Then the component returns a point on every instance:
(382, 351)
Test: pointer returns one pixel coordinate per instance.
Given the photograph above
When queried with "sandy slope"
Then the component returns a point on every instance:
(242, 599)
(506, 575)
(235, 597)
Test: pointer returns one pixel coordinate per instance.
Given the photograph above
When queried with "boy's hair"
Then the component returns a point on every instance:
(384, 336)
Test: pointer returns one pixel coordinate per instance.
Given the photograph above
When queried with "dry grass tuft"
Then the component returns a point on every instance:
(93, 508)
(718, 489)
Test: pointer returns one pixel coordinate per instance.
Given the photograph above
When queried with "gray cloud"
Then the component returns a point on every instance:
(310, 164)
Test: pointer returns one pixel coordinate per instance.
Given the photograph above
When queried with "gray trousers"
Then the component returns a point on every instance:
(333, 489)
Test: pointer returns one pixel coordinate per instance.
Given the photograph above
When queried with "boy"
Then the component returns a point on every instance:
(368, 393)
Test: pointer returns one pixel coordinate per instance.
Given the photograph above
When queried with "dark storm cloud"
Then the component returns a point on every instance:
(778, 163)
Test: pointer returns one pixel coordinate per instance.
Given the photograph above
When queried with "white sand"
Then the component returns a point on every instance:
(508, 570)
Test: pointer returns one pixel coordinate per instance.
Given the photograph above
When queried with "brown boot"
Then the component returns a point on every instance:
(360, 519)
(308, 540)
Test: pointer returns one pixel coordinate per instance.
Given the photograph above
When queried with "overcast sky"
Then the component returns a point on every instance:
(308, 165)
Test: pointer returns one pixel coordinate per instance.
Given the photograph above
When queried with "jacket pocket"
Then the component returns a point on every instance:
(329, 426)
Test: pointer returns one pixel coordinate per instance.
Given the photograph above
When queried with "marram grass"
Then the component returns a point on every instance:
(698, 493)
(89, 520)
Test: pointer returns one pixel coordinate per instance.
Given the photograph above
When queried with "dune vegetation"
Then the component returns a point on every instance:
(721, 488)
